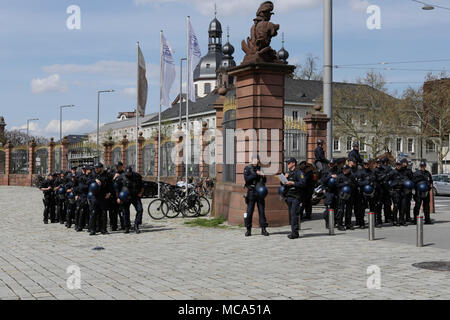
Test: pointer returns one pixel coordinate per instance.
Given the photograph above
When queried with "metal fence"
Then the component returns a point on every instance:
(294, 145)
(19, 160)
(2, 161)
(40, 159)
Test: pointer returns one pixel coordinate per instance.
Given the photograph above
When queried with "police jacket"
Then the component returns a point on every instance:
(132, 182)
(397, 177)
(380, 175)
(365, 177)
(252, 178)
(45, 184)
(298, 177)
(327, 176)
(320, 155)
(354, 154)
(105, 186)
(82, 189)
(423, 176)
(59, 182)
(346, 180)
(72, 185)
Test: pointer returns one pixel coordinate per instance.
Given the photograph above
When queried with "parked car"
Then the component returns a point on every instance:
(441, 184)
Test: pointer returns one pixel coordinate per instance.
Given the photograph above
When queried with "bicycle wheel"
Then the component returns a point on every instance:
(205, 206)
(190, 207)
(158, 209)
(173, 211)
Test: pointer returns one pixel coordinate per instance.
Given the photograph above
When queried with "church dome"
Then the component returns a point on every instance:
(283, 54)
(215, 27)
(228, 49)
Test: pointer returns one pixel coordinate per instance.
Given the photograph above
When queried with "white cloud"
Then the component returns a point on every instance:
(237, 6)
(359, 5)
(52, 128)
(52, 83)
(129, 92)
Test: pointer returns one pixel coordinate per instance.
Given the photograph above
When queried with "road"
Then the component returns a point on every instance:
(170, 260)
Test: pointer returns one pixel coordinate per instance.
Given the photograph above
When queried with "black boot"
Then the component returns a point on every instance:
(136, 229)
(293, 236)
(264, 232)
(127, 230)
(249, 232)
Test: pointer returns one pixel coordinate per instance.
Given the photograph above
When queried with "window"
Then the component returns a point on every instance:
(431, 146)
(399, 144)
(337, 145)
(411, 145)
(208, 66)
(295, 115)
(294, 142)
(362, 144)
(349, 143)
(207, 88)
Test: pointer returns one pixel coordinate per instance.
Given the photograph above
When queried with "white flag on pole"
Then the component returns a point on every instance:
(142, 86)
(194, 57)
(168, 72)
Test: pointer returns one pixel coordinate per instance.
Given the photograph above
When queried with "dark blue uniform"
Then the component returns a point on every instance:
(98, 205)
(331, 195)
(346, 206)
(422, 177)
(132, 182)
(252, 179)
(49, 201)
(294, 197)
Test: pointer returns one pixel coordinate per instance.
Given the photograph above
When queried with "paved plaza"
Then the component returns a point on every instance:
(170, 260)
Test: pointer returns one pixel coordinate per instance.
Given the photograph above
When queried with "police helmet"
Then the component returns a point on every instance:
(320, 142)
(71, 198)
(355, 144)
(379, 161)
(94, 187)
(332, 182)
(262, 192)
(124, 195)
(423, 164)
(346, 192)
(409, 186)
(423, 190)
(369, 191)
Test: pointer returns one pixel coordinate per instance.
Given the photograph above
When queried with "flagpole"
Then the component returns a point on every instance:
(187, 98)
(137, 107)
(159, 118)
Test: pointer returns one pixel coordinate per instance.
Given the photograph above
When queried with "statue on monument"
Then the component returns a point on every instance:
(257, 47)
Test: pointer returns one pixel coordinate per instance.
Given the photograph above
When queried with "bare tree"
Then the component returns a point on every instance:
(18, 138)
(430, 106)
(309, 70)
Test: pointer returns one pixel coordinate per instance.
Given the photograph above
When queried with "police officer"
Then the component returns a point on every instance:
(295, 187)
(321, 161)
(306, 199)
(60, 198)
(49, 204)
(345, 179)
(397, 179)
(330, 189)
(254, 177)
(82, 211)
(131, 182)
(379, 192)
(423, 176)
(116, 209)
(409, 175)
(354, 154)
(387, 203)
(98, 206)
(366, 178)
(71, 203)
(357, 196)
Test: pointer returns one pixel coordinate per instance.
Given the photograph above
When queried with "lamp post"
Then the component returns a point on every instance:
(60, 126)
(98, 121)
(327, 71)
(28, 138)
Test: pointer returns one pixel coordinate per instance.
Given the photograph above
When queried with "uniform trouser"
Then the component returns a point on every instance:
(345, 209)
(97, 218)
(426, 207)
(253, 200)
(60, 210)
(82, 214)
(330, 203)
(306, 205)
(399, 200)
(408, 198)
(114, 209)
(137, 204)
(387, 204)
(294, 213)
(359, 208)
(49, 209)
(378, 207)
(70, 213)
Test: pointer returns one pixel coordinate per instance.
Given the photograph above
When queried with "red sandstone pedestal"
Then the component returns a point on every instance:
(259, 106)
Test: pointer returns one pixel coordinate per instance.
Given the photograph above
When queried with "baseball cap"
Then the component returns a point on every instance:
(292, 160)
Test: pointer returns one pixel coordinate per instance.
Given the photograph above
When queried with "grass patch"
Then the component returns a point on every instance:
(208, 223)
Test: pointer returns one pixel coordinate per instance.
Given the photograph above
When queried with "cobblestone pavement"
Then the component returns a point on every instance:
(170, 260)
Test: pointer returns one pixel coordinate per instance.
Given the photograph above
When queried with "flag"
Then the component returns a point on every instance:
(168, 71)
(142, 84)
(194, 56)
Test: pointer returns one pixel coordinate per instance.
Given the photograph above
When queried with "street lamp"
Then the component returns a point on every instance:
(328, 72)
(28, 138)
(98, 121)
(60, 126)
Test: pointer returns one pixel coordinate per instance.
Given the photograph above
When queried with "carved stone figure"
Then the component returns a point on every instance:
(257, 47)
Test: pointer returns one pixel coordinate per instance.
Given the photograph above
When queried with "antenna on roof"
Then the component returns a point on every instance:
(228, 33)
(282, 39)
(215, 10)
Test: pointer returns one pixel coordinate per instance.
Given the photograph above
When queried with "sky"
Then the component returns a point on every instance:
(44, 64)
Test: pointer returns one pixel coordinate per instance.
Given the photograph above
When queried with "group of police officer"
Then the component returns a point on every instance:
(85, 196)
(350, 187)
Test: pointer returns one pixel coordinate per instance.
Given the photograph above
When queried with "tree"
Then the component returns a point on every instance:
(366, 113)
(309, 70)
(430, 106)
(19, 138)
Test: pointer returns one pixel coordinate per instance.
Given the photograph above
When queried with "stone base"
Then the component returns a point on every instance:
(229, 203)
